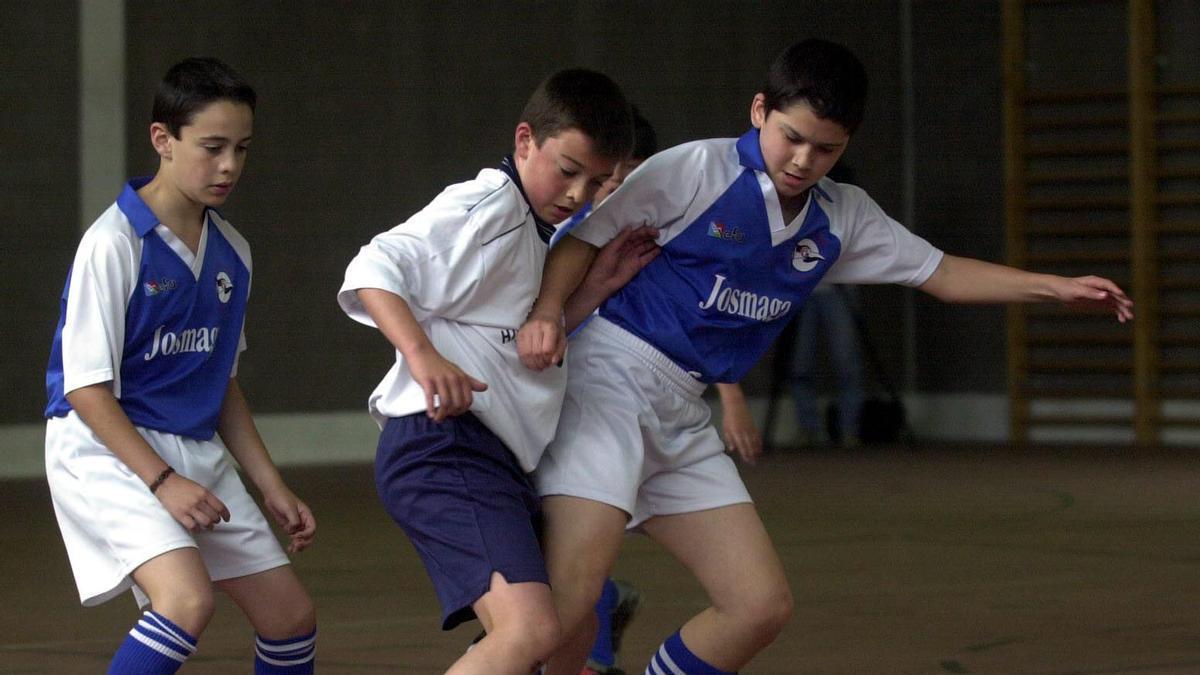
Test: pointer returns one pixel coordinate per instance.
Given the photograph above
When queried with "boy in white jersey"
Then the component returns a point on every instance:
(462, 420)
(142, 375)
(748, 227)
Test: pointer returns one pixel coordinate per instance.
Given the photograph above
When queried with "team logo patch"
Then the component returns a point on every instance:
(720, 230)
(224, 287)
(806, 256)
(154, 287)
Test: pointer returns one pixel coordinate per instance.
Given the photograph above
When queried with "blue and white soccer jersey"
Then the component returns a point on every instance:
(469, 266)
(730, 275)
(164, 327)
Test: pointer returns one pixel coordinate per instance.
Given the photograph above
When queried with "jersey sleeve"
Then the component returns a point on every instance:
(433, 260)
(242, 247)
(102, 279)
(659, 192)
(878, 250)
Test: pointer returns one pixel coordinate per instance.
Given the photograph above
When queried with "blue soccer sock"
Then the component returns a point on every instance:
(674, 658)
(154, 646)
(293, 656)
(602, 649)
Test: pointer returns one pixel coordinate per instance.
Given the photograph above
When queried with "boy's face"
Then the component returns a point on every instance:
(614, 181)
(562, 174)
(798, 147)
(205, 162)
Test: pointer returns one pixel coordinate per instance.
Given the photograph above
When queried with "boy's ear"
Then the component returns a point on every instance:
(160, 138)
(523, 141)
(758, 111)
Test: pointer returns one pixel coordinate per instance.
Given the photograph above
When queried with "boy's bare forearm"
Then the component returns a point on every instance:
(395, 320)
(566, 267)
(98, 408)
(238, 431)
(965, 280)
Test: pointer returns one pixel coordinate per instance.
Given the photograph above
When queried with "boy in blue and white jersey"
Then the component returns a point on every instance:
(463, 422)
(748, 227)
(143, 401)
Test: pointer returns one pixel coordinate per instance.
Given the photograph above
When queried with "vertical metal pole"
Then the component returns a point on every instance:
(101, 105)
(1144, 218)
(909, 190)
(1015, 212)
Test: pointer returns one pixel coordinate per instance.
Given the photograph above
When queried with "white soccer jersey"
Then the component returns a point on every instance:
(469, 265)
(731, 272)
(162, 324)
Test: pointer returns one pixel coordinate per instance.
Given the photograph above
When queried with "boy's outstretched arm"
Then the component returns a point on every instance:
(188, 502)
(448, 390)
(541, 341)
(967, 280)
(237, 429)
(619, 261)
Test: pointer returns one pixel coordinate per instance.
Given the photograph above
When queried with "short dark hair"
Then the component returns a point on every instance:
(194, 83)
(825, 75)
(645, 141)
(586, 100)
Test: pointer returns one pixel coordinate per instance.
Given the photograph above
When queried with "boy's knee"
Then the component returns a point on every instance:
(304, 616)
(772, 611)
(534, 640)
(767, 611)
(296, 617)
(544, 635)
(191, 608)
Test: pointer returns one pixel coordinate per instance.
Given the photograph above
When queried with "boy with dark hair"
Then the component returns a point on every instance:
(748, 227)
(462, 420)
(142, 374)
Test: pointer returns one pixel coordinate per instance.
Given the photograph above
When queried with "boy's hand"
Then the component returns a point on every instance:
(622, 258)
(541, 342)
(293, 516)
(448, 390)
(737, 425)
(191, 504)
(1097, 293)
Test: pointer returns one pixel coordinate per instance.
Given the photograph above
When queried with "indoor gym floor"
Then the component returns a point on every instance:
(943, 560)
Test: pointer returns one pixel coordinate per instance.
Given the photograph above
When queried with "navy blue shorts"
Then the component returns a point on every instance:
(464, 502)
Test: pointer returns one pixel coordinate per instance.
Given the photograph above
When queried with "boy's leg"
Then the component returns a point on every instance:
(182, 604)
(803, 373)
(730, 554)
(581, 541)
(519, 620)
(602, 656)
(841, 339)
(619, 602)
(283, 618)
(471, 513)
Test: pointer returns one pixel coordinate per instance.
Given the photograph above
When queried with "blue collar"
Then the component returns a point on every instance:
(509, 167)
(136, 210)
(750, 152)
(750, 156)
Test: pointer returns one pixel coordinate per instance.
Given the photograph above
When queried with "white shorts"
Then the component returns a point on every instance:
(634, 432)
(111, 523)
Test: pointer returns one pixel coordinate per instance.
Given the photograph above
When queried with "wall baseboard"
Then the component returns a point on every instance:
(297, 439)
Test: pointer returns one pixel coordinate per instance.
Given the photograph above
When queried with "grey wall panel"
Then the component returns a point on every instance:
(39, 190)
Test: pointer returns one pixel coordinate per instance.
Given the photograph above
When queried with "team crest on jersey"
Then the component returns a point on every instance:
(720, 230)
(224, 287)
(156, 286)
(806, 256)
